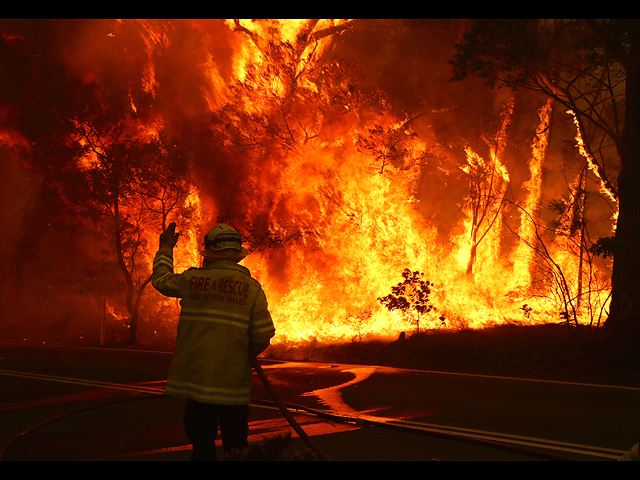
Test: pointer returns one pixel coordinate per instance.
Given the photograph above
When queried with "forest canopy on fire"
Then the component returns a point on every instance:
(341, 151)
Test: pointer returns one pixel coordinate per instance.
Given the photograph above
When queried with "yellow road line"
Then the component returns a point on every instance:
(520, 440)
(480, 434)
(77, 381)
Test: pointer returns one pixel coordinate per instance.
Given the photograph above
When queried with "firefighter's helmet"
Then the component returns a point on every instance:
(222, 241)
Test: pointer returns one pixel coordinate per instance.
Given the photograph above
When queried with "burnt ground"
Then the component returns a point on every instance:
(546, 352)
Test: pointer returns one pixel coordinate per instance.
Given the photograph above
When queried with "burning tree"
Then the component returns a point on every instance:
(281, 109)
(393, 144)
(411, 297)
(107, 159)
(127, 187)
(360, 319)
(591, 68)
(571, 231)
(551, 273)
(488, 183)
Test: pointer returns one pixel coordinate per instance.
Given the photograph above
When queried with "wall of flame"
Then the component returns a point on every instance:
(357, 226)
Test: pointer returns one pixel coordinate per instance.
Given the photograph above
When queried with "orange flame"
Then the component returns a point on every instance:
(360, 226)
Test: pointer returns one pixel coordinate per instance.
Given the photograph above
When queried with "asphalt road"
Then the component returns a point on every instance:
(59, 403)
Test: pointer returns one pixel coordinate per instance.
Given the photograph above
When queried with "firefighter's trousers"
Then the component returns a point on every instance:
(201, 421)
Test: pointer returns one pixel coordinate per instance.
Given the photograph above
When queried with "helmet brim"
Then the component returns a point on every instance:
(227, 253)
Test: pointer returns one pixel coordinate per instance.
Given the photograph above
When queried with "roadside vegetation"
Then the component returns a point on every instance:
(548, 352)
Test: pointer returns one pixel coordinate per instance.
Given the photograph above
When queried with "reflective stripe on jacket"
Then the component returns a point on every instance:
(224, 312)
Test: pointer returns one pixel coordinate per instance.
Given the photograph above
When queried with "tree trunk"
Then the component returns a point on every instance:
(472, 256)
(473, 251)
(133, 316)
(133, 313)
(625, 278)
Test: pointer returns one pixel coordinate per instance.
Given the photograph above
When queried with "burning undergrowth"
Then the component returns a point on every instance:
(339, 150)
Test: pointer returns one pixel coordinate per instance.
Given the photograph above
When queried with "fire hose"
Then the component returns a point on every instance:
(318, 413)
(256, 365)
(283, 409)
(381, 424)
(48, 421)
(360, 422)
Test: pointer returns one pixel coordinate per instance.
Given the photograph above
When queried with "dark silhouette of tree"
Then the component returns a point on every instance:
(411, 297)
(127, 187)
(393, 145)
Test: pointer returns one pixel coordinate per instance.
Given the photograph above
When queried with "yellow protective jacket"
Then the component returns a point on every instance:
(224, 312)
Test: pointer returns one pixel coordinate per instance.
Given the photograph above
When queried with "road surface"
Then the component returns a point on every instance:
(59, 403)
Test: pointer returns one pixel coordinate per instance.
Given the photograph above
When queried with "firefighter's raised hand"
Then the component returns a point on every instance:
(169, 237)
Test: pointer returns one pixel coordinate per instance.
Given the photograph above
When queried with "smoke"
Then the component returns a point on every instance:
(51, 284)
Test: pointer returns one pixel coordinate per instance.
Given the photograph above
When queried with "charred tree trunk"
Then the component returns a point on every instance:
(625, 282)
(133, 312)
(578, 221)
(472, 252)
(133, 317)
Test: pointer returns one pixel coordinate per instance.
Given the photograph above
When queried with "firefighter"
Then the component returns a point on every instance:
(224, 318)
